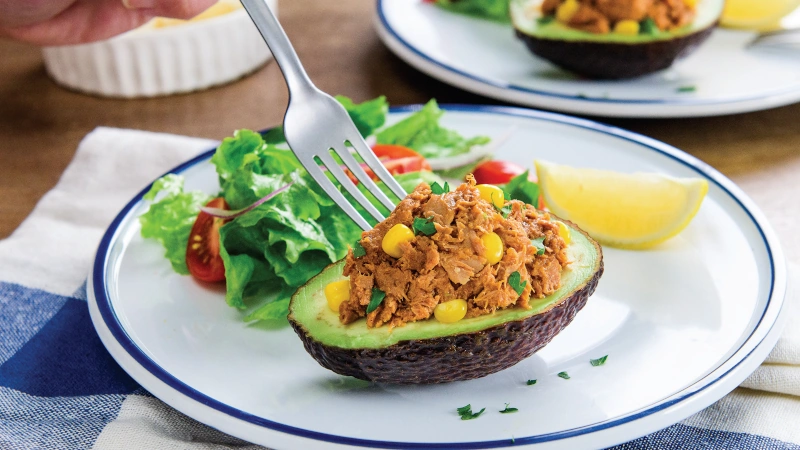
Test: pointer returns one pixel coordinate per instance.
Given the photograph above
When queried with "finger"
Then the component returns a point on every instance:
(176, 9)
(14, 13)
(83, 21)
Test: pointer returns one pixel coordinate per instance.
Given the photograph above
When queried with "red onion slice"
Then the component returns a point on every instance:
(225, 214)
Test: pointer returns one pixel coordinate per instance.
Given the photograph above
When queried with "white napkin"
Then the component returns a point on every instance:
(54, 248)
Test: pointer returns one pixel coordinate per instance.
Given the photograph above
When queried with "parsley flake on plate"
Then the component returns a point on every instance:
(530, 382)
(508, 410)
(466, 412)
(563, 375)
(599, 361)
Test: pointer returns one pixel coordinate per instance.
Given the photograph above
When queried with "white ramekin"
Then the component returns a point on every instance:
(149, 62)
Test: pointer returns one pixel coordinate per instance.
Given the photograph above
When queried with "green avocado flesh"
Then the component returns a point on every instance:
(525, 21)
(309, 308)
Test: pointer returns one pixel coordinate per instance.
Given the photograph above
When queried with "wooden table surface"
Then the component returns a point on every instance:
(41, 124)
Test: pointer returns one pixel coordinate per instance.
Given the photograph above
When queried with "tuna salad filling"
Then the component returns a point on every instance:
(621, 16)
(467, 246)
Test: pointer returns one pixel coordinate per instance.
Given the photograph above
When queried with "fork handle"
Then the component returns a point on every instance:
(267, 24)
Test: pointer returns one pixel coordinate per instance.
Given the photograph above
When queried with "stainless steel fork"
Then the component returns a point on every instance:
(317, 127)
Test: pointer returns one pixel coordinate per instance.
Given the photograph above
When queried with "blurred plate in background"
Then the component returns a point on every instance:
(723, 76)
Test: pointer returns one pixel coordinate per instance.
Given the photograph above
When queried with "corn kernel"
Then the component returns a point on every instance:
(494, 247)
(336, 293)
(629, 27)
(492, 194)
(450, 311)
(566, 10)
(690, 3)
(564, 232)
(396, 235)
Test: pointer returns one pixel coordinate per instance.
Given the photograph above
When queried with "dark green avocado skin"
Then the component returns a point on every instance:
(603, 60)
(452, 358)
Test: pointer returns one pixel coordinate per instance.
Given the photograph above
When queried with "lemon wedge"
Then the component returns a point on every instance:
(760, 15)
(621, 210)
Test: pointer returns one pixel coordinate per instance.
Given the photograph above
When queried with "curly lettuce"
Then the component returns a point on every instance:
(169, 220)
(422, 132)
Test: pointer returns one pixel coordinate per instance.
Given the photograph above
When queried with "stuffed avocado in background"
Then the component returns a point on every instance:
(606, 39)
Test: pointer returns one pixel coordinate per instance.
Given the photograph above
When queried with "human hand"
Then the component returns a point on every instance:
(66, 22)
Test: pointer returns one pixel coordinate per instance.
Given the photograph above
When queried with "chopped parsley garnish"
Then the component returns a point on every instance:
(423, 226)
(358, 250)
(466, 412)
(648, 26)
(376, 300)
(508, 410)
(514, 280)
(686, 89)
(505, 210)
(439, 190)
(563, 375)
(530, 382)
(539, 244)
(598, 361)
(544, 20)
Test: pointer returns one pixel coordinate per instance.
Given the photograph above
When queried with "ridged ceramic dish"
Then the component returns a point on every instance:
(152, 61)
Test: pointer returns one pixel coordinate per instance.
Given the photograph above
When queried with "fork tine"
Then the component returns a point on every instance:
(347, 183)
(377, 166)
(319, 176)
(362, 176)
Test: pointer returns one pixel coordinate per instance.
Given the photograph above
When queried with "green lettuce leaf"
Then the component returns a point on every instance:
(421, 131)
(367, 116)
(169, 219)
(496, 10)
(279, 245)
(520, 188)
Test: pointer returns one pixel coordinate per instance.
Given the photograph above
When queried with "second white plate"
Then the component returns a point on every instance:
(723, 76)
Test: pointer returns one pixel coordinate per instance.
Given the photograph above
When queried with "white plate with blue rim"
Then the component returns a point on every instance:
(723, 76)
(681, 324)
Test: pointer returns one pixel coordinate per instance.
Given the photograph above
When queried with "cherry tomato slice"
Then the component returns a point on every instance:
(399, 159)
(496, 172)
(202, 251)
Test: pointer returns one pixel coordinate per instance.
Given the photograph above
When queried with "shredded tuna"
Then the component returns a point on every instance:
(450, 264)
(600, 16)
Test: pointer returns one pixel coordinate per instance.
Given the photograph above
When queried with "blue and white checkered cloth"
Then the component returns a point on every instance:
(60, 389)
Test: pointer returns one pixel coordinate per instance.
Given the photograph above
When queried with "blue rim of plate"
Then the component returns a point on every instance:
(511, 87)
(106, 309)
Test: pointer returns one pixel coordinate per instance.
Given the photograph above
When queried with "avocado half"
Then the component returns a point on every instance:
(611, 55)
(428, 352)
